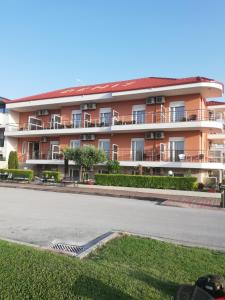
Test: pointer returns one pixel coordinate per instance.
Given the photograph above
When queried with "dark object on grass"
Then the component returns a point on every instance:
(213, 284)
(190, 292)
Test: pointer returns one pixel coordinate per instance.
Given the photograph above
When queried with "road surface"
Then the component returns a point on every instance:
(39, 217)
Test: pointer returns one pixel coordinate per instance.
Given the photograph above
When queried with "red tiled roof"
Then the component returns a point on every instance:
(4, 100)
(211, 103)
(118, 86)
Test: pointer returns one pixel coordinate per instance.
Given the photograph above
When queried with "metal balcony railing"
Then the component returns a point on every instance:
(120, 120)
(191, 156)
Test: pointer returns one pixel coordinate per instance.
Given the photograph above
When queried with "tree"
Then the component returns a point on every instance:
(85, 158)
(13, 160)
(113, 166)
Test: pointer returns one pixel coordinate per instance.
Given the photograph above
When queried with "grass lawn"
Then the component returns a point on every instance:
(127, 268)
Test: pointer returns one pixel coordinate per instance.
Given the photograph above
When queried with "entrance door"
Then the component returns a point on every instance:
(176, 148)
(137, 149)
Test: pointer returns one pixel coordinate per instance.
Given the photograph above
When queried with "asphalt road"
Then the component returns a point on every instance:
(39, 218)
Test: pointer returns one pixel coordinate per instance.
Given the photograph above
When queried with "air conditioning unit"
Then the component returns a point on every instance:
(87, 106)
(87, 137)
(42, 112)
(83, 107)
(91, 105)
(160, 100)
(149, 135)
(159, 135)
(150, 100)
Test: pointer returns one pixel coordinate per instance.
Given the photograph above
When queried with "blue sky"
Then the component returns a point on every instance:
(52, 44)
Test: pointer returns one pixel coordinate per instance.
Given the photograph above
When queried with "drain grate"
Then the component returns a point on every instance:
(66, 248)
(82, 250)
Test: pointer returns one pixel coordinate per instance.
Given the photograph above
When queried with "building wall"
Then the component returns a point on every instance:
(193, 103)
(192, 141)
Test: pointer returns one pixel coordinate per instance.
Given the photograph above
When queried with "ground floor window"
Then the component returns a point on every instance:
(74, 173)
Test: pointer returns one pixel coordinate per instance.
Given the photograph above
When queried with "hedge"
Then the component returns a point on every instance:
(51, 174)
(157, 182)
(27, 174)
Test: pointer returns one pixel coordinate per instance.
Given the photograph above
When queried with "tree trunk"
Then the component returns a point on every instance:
(66, 167)
(81, 174)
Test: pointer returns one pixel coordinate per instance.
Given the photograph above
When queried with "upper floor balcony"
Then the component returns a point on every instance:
(107, 122)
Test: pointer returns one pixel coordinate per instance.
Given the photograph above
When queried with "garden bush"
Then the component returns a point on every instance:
(13, 160)
(51, 174)
(157, 182)
(27, 174)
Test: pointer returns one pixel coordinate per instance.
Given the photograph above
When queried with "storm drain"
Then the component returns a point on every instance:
(83, 250)
(66, 248)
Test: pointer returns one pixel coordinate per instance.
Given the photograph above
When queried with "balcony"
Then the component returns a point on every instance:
(143, 121)
(191, 159)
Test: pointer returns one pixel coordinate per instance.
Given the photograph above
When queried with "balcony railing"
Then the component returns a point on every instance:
(190, 156)
(120, 120)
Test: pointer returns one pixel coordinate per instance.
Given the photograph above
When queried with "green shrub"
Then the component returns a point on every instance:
(27, 174)
(51, 174)
(13, 160)
(157, 182)
(113, 166)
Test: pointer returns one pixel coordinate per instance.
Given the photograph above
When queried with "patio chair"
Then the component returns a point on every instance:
(182, 156)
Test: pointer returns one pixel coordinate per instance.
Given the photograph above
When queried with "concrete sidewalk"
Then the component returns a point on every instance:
(163, 197)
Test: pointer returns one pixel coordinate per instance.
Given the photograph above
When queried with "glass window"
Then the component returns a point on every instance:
(75, 144)
(1, 138)
(34, 123)
(76, 119)
(105, 146)
(137, 150)
(56, 121)
(105, 118)
(139, 117)
(176, 150)
(177, 113)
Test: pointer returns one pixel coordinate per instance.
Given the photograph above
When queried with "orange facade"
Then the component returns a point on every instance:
(194, 140)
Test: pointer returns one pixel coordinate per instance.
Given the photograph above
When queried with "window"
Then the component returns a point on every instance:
(177, 113)
(137, 150)
(54, 150)
(105, 116)
(176, 149)
(76, 118)
(55, 121)
(105, 146)
(24, 148)
(138, 114)
(34, 123)
(1, 138)
(75, 144)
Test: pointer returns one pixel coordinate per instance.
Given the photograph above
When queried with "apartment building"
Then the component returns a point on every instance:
(158, 125)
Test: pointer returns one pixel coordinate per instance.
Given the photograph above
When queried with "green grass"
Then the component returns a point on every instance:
(127, 268)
